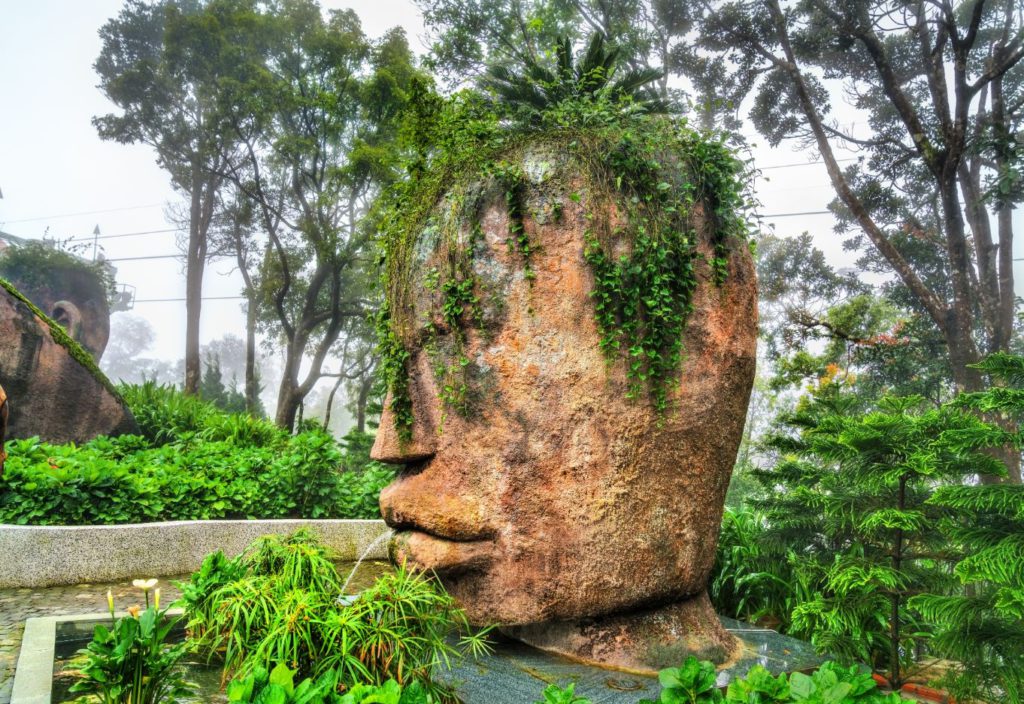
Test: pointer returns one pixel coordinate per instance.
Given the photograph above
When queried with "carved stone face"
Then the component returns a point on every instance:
(51, 394)
(76, 301)
(556, 497)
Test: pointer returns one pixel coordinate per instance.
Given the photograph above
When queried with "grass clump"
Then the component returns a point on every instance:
(281, 602)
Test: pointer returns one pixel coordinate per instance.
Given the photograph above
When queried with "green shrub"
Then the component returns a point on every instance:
(693, 682)
(278, 687)
(279, 602)
(193, 461)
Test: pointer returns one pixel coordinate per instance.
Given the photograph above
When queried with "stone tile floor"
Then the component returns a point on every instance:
(16, 605)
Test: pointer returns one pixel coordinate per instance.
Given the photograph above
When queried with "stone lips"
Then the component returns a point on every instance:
(52, 395)
(557, 499)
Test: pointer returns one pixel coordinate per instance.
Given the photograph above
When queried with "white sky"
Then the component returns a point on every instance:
(56, 175)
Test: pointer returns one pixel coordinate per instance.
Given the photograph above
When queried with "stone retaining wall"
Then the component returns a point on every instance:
(40, 556)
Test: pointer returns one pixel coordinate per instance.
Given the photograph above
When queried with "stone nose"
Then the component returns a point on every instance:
(391, 448)
(426, 413)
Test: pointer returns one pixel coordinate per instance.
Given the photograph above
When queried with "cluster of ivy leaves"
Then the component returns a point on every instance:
(654, 168)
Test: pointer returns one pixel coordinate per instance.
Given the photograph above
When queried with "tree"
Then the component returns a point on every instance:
(314, 110)
(849, 496)
(814, 320)
(236, 235)
(981, 626)
(165, 92)
(940, 88)
(213, 389)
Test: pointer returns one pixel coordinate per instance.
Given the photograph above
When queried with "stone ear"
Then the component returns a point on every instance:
(69, 317)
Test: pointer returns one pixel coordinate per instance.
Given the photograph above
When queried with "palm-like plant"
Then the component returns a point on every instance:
(538, 86)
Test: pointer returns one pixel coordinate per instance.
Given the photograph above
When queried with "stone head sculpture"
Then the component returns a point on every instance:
(68, 290)
(567, 399)
(53, 388)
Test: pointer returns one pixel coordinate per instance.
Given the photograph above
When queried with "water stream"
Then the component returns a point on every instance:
(386, 535)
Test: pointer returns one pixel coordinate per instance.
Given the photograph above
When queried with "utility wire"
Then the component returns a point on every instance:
(89, 238)
(85, 212)
(179, 300)
(793, 215)
(801, 163)
(151, 256)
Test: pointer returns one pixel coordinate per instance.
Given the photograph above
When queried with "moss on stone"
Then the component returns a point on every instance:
(61, 337)
(651, 169)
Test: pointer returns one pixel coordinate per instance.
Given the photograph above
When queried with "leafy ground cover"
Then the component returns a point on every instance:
(192, 461)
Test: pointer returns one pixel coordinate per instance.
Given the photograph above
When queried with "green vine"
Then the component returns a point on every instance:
(394, 368)
(641, 179)
(513, 183)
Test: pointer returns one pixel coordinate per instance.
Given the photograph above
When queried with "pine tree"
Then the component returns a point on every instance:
(850, 497)
(981, 626)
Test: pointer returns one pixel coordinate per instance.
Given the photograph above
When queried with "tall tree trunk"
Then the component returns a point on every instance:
(361, 402)
(252, 401)
(288, 402)
(330, 401)
(195, 263)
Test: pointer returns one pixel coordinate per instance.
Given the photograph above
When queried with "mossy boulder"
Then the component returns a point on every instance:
(54, 387)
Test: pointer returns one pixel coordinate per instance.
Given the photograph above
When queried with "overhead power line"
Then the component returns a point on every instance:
(84, 212)
(151, 256)
(180, 300)
(793, 215)
(801, 163)
(122, 234)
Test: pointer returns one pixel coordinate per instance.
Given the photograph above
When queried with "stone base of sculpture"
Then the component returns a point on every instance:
(642, 641)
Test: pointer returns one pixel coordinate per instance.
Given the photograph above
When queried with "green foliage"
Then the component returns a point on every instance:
(213, 390)
(192, 462)
(278, 687)
(850, 525)
(982, 625)
(553, 694)
(831, 684)
(753, 580)
(37, 267)
(528, 91)
(871, 543)
(759, 686)
(693, 682)
(655, 170)
(285, 608)
(131, 663)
